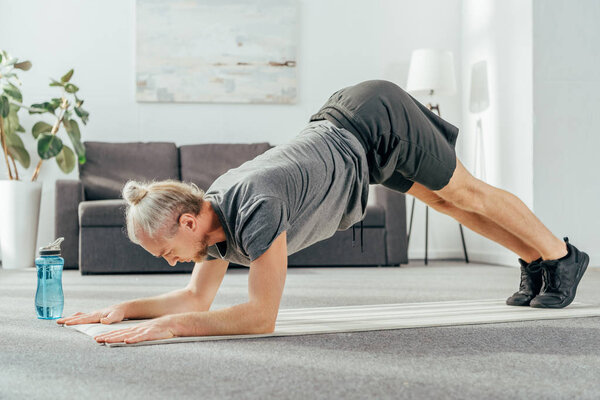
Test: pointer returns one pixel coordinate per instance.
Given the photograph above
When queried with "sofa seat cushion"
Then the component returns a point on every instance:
(375, 217)
(203, 163)
(110, 165)
(102, 213)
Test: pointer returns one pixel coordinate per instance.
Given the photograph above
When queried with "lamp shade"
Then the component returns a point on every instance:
(429, 70)
(480, 98)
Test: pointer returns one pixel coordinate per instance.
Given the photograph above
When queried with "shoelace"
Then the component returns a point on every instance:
(551, 279)
(525, 272)
(523, 285)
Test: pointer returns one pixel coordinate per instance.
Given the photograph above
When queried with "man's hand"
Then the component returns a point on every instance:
(158, 328)
(107, 315)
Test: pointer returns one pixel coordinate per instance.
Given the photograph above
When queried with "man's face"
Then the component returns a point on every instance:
(188, 244)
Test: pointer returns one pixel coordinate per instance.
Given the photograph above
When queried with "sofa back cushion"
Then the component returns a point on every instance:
(203, 163)
(110, 165)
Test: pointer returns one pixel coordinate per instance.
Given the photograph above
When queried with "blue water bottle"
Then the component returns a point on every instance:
(49, 298)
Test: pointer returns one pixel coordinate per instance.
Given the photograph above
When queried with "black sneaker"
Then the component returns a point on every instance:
(531, 283)
(561, 278)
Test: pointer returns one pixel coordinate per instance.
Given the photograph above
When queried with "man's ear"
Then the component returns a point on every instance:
(187, 220)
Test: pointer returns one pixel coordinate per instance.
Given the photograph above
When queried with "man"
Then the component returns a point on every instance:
(301, 192)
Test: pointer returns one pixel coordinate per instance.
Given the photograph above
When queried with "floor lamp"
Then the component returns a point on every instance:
(431, 71)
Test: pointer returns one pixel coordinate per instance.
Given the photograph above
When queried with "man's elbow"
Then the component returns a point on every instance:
(266, 323)
(269, 327)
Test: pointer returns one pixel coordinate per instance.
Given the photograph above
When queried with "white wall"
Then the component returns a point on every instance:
(500, 32)
(341, 43)
(542, 124)
(566, 93)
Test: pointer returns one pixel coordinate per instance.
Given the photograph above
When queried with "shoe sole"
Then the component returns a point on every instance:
(569, 300)
(518, 305)
(513, 303)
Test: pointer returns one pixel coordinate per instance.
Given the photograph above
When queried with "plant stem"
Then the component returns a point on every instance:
(15, 167)
(3, 139)
(63, 107)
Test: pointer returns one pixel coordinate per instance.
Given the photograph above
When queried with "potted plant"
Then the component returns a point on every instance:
(19, 198)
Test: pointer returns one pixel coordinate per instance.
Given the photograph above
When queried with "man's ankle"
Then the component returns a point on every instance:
(557, 256)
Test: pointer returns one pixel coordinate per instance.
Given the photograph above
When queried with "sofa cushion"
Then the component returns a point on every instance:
(375, 217)
(110, 165)
(102, 213)
(203, 163)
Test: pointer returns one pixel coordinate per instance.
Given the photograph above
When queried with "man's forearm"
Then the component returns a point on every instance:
(175, 302)
(237, 320)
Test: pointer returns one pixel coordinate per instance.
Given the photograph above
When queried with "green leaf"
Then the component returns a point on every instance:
(70, 88)
(16, 148)
(72, 129)
(40, 127)
(36, 109)
(84, 115)
(55, 102)
(11, 122)
(12, 139)
(42, 108)
(4, 106)
(55, 83)
(49, 146)
(66, 159)
(25, 65)
(20, 128)
(14, 92)
(67, 76)
(20, 154)
(0, 58)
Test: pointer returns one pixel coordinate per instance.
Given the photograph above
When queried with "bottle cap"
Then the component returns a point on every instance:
(53, 249)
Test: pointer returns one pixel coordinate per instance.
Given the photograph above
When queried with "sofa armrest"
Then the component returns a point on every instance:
(394, 204)
(69, 193)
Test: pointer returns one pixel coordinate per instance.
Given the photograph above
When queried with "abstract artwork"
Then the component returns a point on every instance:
(218, 51)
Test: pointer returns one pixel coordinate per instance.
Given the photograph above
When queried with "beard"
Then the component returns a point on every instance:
(201, 251)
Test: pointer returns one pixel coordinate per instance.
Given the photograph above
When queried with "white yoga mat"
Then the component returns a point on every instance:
(309, 321)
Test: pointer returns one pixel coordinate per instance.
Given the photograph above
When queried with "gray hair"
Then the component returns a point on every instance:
(155, 207)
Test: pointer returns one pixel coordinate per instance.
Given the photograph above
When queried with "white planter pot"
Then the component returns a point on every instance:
(19, 216)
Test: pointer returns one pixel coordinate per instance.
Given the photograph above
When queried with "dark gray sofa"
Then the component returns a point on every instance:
(90, 212)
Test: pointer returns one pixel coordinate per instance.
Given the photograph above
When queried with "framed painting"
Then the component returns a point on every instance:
(217, 51)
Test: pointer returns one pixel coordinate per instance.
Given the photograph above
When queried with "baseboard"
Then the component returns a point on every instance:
(495, 258)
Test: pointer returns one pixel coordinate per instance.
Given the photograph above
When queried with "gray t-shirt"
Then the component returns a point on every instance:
(311, 187)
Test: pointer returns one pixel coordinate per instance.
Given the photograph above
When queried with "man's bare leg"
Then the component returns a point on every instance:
(505, 209)
(476, 222)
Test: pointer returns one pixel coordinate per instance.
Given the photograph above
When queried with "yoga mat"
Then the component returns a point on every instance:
(310, 321)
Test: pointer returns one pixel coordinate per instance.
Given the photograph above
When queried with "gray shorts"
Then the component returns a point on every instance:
(404, 141)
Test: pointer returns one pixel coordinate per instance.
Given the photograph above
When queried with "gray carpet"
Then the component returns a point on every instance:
(535, 359)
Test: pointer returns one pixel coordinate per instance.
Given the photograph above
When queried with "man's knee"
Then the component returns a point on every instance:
(430, 198)
(443, 206)
(464, 191)
(468, 197)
